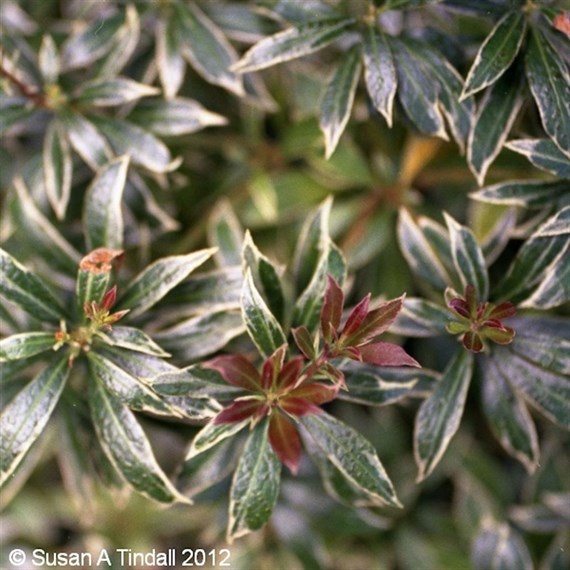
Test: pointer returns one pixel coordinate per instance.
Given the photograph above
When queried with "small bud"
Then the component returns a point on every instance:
(109, 299)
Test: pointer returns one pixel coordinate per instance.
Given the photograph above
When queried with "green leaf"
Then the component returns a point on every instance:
(177, 116)
(225, 233)
(371, 385)
(549, 83)
(112, 92)
(158, 279)
(439, 416)
(417, 91)
(508, 416)
(133, 339)
(24, 288)
(86, 140)
(539, 252)
(24, 345)
(525, 193)
(143, 148)
(102, 216)
(202, 335)
(379, 71)
(57, 168)
(13, 110)
(25, 417)
(206, 48)
(420, 318)
(496, 53)
(255, 485)
(407, 4)
(353, 455)
(544, 154)
(169, 60)
(43, 237)
(48, 60)
(498, 546)
(292, 43)
(212, 434)
(338, 98)
(127, 447)
(265, 276)
(131, 391)
(262, 326)
(423, 260)
(495, 116)
(468, 258)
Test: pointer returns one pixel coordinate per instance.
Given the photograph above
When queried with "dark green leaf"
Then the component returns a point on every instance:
(102, 216)
(127, 447)
(262, 326)
(212, 434)
(177, 116)
(158, 279)
(495, 116)
(544, 154)
(379, 71)
(132, 339)
(440, 415)
(338, 98)
(549, 83)
(525, 193)
(353, 455)
(420, 318)
(57, 168)
(169, 58)
(496, 53)
(292, 43)
(13, 110)
(468, 258)
(417, 91)
(225, 233)
(26, 416)
(24, 288)
(498, 546)
(255, 485)
(508, 417)
(407, 4)
(24, 345)
(206, 48)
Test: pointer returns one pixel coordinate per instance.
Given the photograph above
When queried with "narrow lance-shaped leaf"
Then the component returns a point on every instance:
(292, 43)
(508, 417)
(25, 417)
(225, 233)
(169, 58)
(255, 485)
(24, 288)
(338, 98)
(549, 83)
(496, 53)
(133, 339)
(102, 216)
(544, 154)
(439, 416)
(157, 279)
(262, 326)
(499, 546)
(212, 434)
(497, 111)
(25, 345)
(206, 48)
(417, 92)
(379, 71)
(48, 60)
(57, 168)
(468, 258)
(420, 318)
(112, 92)
(127, 447)
(353, 455)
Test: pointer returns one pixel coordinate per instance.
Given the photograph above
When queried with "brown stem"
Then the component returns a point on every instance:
(34, 96)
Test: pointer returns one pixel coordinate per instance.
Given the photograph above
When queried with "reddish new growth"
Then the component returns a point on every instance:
(285, 390)
(479, 321)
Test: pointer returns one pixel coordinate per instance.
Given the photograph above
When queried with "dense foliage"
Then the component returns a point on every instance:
(298, 270)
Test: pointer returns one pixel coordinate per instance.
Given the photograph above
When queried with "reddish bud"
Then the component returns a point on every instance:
(460, 307)
(109, 299)
(502, 311)
(472, 341)
(562, 23)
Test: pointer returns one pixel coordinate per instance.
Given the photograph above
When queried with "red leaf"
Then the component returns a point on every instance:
(377, 321)
(459, 306)
(503, 311)
(272, 368)
(331, 311)
(285, 441)
(298, 407)
(304, 342)
(290, 373)
(109, 298)
(236, 370)
(472, 342)
(356, 317)
(386, 354)
(314, 393)
(241, 410)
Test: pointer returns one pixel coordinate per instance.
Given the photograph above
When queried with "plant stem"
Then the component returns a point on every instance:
(34, 96)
